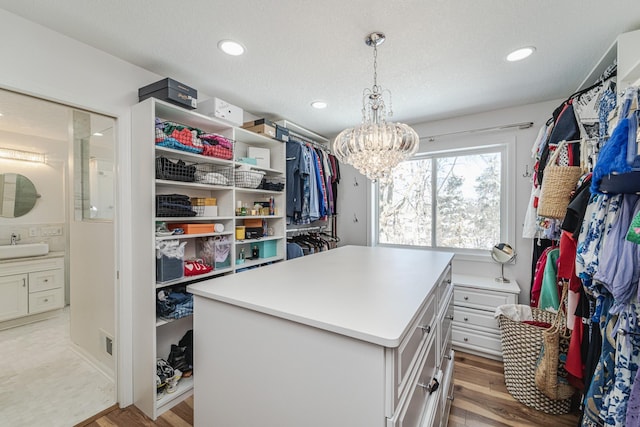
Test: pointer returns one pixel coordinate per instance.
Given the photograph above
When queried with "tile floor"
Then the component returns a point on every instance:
(44, 382)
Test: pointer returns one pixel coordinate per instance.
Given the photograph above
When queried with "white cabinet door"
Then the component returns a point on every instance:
(14, 294)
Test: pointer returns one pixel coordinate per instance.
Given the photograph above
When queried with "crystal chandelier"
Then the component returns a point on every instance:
(375, 146)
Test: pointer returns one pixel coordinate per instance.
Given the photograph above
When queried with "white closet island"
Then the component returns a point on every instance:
(356, 336)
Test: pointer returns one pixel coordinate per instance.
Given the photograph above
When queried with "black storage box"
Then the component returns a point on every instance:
(253, 232)
(171, 91)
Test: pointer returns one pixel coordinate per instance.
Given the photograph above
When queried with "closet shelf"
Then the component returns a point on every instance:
(185, 385)
(187, 279)
(260, 168)
(193, 236)
(262, 239)
(193, 218)
(257, 191)
(197, 185)
(166, 320)
(259, 216)
(192, 157)
(253, 262)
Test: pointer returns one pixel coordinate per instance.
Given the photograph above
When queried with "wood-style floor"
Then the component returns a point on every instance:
(480, 399)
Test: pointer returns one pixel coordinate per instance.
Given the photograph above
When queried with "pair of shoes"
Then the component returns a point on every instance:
(160, 388)
(177, 358)
(164, 372)
(193, 268)
(172, 383)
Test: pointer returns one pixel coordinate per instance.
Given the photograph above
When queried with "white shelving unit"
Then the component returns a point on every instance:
(154, 335)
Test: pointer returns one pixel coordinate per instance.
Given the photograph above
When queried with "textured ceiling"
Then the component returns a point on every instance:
(442, 58)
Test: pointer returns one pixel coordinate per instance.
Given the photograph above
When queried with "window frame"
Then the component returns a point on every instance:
(492, 144)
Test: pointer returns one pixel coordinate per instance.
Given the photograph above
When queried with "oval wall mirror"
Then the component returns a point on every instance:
(502, 253)
(18, 195)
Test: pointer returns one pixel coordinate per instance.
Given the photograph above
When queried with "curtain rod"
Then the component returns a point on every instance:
(521, 126)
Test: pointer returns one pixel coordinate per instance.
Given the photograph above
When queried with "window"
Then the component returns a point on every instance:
(454, 199)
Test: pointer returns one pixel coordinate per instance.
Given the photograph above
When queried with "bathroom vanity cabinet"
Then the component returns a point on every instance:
(31, 286)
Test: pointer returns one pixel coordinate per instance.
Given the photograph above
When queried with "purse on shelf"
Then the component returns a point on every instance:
(551, 375)
(558, 183)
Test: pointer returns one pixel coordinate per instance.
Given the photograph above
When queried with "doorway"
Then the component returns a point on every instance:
(71, 346)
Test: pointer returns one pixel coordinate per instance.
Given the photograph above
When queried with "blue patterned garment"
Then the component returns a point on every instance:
(626, 365)
(601, 213)
(602, 383)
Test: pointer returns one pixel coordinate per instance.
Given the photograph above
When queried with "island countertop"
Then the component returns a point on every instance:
(367, 293)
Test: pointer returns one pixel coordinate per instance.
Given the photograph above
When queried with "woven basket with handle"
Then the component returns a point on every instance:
(557, 184)
(521, 344)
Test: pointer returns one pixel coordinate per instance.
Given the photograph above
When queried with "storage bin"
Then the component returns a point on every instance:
(262, 156)
(253, 222)
(214, 251)
(267, 248)
(193, 228)
(248, 179)
(171, 91)
(168, 269)
(206, 173)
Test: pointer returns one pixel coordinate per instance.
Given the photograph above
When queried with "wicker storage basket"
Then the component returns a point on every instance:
(521, 345)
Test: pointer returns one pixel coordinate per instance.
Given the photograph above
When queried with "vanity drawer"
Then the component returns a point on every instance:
(45, 280)
(481, 299)
(46, 300)
(470, 317)
(410, 413)
(476, 340)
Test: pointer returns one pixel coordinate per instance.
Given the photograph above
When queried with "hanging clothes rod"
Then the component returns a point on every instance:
(520, 126)
(301, 138)
(307, 229)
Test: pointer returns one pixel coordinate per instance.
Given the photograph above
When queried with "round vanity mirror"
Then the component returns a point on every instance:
(502, 253)
(18, 195)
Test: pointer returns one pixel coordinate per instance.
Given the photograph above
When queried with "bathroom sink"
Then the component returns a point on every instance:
(24, 250)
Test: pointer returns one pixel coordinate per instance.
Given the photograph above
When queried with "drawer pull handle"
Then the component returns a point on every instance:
(465, 339)
(466, 319)
(466, 298)
(45, 280)
(46, 300)
(431, 387)
(426, 328)
(447, 356)
(24, 283)
(450, 317)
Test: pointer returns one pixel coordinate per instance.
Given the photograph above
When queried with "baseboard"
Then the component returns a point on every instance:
(107, 372)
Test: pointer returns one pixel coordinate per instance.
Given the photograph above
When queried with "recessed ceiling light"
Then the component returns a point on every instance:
(230, 47)
(520, 54)
(97, 134)
(319, 104)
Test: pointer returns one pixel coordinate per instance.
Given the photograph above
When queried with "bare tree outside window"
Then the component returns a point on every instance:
(459, 207)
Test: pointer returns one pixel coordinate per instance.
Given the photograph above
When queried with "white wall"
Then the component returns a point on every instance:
(351, 197)
(47, 64)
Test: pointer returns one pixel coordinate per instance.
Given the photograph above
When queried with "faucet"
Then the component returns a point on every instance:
(14, 238)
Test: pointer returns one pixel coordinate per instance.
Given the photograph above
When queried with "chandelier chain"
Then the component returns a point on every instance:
(375, 67)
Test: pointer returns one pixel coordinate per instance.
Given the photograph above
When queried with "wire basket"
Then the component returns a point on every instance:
(248, 179)
(272, 183)
(206, 173)
(521, 345)
(174, 170)
(178, 136)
